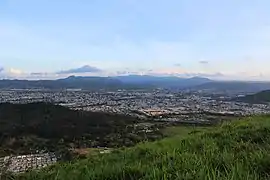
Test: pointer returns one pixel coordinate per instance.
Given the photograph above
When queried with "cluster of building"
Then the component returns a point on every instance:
(23, 163)
(142, 104)
(158, 105)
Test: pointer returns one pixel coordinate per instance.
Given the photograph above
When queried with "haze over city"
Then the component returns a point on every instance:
(215, 39)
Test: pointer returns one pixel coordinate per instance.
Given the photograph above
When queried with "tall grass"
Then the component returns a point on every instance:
(235, 151)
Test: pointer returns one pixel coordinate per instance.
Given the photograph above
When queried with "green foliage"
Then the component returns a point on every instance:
(235, 151)
(261, 97)
(25, 128)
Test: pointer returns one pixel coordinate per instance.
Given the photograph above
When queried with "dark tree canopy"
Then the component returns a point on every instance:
(25, 128)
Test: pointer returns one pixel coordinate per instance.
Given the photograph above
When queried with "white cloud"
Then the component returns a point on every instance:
(225, 47)
(16, 72)
(12, 73)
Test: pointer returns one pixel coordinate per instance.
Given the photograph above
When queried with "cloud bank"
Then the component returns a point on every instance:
(13, 73)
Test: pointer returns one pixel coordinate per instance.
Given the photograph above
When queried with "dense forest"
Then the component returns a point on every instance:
(28, 128)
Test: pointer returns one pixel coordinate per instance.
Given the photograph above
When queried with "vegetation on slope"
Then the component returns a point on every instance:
(240, 150)
(25, 128)
(234, 86)
(261, 97)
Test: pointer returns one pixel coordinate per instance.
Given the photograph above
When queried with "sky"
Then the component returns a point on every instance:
(225, 39)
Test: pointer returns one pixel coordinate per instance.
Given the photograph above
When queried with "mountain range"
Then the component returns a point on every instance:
(135, 82)
(118, 82)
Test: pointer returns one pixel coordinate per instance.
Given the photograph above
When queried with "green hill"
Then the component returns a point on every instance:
(261, 97)
(235, 151)
(26, 128)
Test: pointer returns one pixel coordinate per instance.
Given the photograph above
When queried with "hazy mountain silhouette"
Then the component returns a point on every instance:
(118, 82)
(84, 69)
(137, 82)
(166, 82)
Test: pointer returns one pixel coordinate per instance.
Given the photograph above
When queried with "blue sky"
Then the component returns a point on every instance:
(208, 37)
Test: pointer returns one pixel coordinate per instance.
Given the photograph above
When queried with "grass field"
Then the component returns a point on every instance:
(233, 151)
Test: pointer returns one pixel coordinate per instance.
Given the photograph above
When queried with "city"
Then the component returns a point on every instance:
(158, 105)
(134, 90)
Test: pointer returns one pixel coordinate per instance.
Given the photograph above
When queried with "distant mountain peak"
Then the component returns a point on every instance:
(87, 67)
(83, 69)
(199, 78)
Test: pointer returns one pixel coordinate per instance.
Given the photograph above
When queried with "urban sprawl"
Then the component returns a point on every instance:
(159, 105)
(156, 105)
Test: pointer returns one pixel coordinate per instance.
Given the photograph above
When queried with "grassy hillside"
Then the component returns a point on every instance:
(240, 150)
